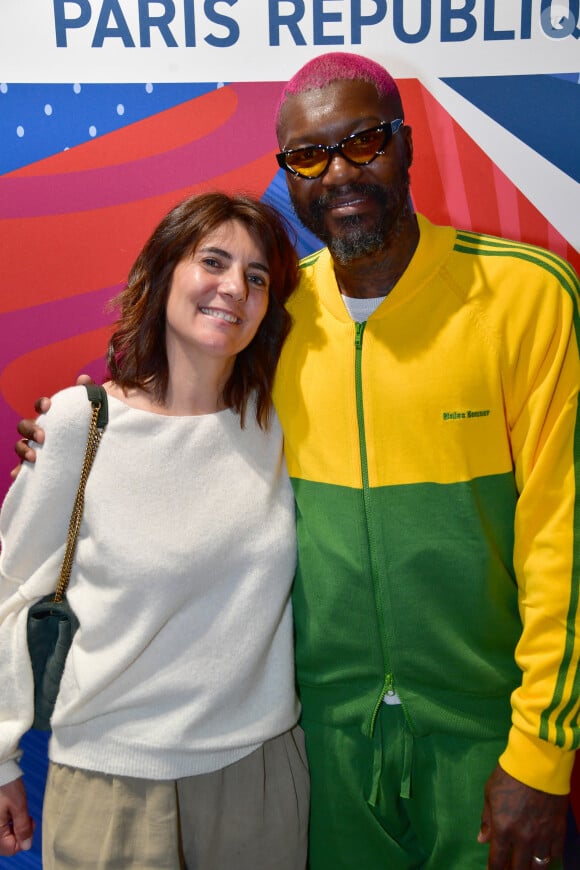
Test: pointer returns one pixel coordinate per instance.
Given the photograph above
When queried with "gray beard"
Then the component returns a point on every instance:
(356, 242)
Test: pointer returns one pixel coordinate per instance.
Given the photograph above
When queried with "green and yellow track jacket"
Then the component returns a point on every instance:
(435, 452)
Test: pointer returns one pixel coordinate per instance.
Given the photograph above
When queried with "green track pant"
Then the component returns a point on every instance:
(361, 821)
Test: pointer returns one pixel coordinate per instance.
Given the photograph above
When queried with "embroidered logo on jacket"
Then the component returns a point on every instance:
(465, 415)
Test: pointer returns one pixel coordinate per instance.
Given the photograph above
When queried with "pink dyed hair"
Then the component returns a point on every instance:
(337, 66)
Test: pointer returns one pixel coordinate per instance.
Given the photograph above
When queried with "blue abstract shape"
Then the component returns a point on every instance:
(543, 111)
(39, 120)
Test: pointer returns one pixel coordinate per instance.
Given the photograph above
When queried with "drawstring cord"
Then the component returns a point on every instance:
(374, 796)
(377, 766)
(407, 762)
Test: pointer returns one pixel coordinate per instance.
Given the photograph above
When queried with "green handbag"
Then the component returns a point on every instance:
(51, 622)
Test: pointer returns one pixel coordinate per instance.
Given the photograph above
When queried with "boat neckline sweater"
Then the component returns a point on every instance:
(183, 662)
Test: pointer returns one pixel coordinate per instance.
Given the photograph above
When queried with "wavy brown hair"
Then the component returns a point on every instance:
(137, 354)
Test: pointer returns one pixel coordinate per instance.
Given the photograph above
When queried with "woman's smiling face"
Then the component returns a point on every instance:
(218, 296)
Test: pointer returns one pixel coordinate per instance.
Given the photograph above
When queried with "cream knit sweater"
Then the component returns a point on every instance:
(183, 662)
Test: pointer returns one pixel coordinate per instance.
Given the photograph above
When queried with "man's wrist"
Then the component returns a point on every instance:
(537, 763)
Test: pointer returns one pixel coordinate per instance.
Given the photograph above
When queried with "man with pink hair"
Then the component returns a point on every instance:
(428, 397)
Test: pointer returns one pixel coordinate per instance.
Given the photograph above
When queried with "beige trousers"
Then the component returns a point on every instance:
(251, 815)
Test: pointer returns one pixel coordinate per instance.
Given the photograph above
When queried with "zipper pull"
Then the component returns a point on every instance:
(358, 334)
(390, 686)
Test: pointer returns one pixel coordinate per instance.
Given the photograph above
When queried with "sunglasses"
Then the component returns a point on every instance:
(358, 148)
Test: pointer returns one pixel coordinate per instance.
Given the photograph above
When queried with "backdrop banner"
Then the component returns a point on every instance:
(185, 40)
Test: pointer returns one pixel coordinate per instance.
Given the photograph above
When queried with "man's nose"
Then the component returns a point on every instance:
(340, 171)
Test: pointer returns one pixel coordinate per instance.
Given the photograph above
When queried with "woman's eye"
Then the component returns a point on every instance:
(211, 262)
(259, 280)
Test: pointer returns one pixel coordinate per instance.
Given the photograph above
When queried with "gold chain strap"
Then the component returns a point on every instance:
(93, 441)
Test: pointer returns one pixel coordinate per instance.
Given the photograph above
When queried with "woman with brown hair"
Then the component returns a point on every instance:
(174, 740)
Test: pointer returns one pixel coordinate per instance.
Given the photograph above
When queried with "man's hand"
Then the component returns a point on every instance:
(521, 823)
(32, 433)
(16, 826)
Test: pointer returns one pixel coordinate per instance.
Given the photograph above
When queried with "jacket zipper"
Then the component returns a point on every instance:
(388, 685)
